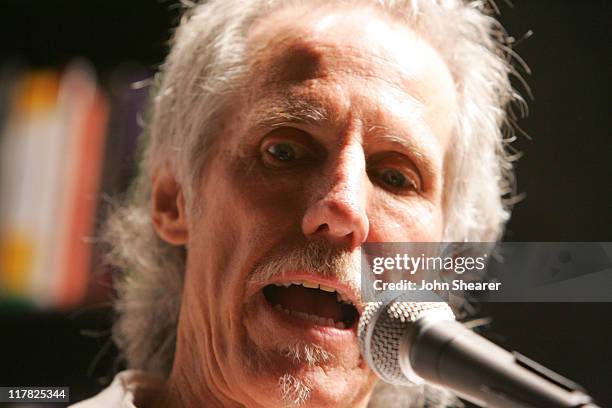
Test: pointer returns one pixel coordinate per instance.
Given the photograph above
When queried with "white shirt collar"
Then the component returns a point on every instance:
(122, 392)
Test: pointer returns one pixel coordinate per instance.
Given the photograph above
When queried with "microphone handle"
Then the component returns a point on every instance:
(446, 353)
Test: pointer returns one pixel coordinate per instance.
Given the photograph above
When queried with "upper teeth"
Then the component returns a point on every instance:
(341, 297)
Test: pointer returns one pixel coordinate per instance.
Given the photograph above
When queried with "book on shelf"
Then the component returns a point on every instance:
(64, 142)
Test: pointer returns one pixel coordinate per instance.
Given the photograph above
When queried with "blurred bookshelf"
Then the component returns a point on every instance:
(67, 147)
(73, 86)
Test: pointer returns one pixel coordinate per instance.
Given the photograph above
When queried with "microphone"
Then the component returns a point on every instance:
(408, 343)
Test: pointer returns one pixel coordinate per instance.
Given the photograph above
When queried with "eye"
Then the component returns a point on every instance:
(280, 154)
(395, 180)
(394, 172)
(283, 152)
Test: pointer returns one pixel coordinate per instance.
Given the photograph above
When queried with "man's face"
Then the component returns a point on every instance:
(339, 139)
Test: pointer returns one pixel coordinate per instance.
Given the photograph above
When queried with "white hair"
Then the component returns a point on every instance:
(294, 392)
(206, 66)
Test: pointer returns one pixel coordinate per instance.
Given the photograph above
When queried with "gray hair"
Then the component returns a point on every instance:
(205, 67)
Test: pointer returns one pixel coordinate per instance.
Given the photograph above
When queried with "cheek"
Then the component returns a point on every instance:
(242, 205)
(215, 238)
(272, 206)
(243, 216)
(413, 220)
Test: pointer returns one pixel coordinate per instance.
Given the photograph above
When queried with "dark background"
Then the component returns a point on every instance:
(565, 173)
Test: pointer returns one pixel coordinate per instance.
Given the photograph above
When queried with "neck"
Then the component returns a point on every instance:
(189, 385)
(184, 391)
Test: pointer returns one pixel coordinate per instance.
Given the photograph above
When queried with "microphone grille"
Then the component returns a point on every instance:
(381, 328)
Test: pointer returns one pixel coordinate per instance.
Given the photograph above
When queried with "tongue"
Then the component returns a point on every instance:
(311, 301)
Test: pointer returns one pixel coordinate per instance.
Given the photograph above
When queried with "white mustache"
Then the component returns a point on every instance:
(316, 257)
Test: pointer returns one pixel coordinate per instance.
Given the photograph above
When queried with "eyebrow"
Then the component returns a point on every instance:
(290, 110)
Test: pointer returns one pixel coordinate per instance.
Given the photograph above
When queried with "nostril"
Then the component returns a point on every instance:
(322, 228)
(340, 222)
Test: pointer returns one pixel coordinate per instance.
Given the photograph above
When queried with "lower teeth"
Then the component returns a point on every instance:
(313, 318)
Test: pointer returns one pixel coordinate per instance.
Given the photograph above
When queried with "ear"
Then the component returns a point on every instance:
(168, 209)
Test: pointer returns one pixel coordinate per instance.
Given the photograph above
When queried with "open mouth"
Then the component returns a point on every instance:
(310, 301)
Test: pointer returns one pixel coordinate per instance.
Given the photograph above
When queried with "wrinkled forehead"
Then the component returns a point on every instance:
(297, 44)
(333, 51)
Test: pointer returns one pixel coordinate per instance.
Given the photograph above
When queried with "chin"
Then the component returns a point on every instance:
(313, 387)
(290, 372)
(300, 326)
(338, 388)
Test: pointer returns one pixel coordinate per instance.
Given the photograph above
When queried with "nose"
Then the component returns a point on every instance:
(338, 213)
